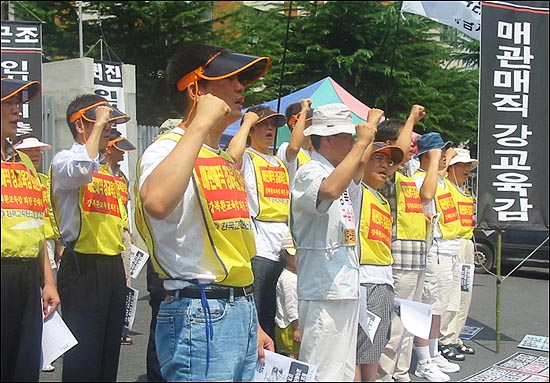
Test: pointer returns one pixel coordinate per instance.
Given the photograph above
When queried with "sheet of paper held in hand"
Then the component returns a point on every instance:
(131, 307)
(57, 339)
(138, 259)
(280, 368)
(416, 317)
(368, 321)
(466, 271)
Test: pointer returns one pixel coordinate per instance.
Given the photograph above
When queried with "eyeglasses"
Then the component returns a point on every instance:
(381, 158)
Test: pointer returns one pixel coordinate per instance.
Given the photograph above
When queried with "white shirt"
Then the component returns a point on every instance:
(268, 235)
(327, 268)
(287, 299)
(179, 239)
(71, 169)
(291, 166)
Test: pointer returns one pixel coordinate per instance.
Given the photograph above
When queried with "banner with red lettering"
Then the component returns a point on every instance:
(513, 117)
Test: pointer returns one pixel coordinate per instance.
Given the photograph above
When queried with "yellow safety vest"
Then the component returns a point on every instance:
(411, 222)
(23, 209)
(465, 207)
(375, 230)
(273, 189)
(449, 224)
(302, 157)
(122, 187)
(101, 216)
(229, 244)
(51, 230)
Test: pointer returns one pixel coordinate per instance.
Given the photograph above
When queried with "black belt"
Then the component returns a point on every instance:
(18, 260)
(219, 292)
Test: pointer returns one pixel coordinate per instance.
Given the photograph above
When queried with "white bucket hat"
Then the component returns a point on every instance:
(331, 119)
(463, 155)
(32, 142)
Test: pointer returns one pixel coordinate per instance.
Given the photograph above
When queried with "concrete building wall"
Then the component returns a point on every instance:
(63, 81)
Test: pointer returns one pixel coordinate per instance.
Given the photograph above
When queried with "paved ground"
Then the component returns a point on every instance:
(524, 310)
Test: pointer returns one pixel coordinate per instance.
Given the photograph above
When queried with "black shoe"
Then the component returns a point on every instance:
(449, 354)
(463, 349)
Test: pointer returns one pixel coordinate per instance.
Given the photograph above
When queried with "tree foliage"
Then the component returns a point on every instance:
(142, 33)
(384, 58)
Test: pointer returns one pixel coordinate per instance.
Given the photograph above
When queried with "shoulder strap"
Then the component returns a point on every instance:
(28, 162)
(142, 223)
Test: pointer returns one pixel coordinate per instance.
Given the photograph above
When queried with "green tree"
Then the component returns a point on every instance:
(142, 33)
(385, 59)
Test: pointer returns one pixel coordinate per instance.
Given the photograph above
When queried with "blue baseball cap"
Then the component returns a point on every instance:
(430, 141)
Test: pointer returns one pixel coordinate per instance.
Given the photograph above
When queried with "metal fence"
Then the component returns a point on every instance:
(146, 135)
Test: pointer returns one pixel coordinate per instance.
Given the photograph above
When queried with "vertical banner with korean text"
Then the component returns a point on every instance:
(22, 60)
(108, 84)
(513, 117)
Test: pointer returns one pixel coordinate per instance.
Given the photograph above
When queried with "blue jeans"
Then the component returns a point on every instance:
(182, 342)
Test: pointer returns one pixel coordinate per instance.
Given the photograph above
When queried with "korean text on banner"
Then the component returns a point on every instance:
(462, 15)
(22, 60)
(513, 117)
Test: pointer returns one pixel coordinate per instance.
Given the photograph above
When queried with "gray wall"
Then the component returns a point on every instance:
(62, 82)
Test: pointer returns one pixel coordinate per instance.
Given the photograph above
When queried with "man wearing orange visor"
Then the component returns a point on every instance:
(29, 294)
(268, 190)
(91, 217)
(114, 155)
(193, 214)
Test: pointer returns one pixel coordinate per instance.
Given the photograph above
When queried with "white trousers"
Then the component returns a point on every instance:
(453, 322)
(396, 359)
(329, 337)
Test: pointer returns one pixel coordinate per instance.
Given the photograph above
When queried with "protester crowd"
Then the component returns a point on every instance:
(251, 248)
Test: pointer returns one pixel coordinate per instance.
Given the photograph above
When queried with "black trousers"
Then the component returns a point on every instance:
(266, 273)
(93, 305)
(21, 321)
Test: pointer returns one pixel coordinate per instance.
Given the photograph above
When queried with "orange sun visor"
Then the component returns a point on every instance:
(227, 64)
(88, 114)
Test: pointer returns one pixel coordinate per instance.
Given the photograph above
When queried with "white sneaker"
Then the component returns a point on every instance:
(444, 365)
(48, 368)
(404, 378)
(429, 370)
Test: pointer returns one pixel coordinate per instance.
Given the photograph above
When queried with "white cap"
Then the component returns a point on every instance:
(463, 155)
(170, 124)
(32, 142)
(331, 119)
